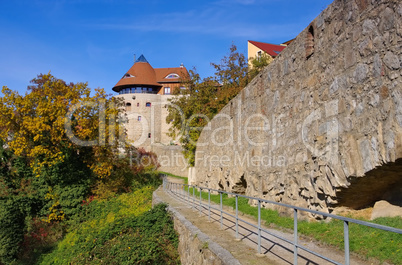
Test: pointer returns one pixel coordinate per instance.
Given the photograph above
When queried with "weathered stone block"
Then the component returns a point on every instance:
(392, 61)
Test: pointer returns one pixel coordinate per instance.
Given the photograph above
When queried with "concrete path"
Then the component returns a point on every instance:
(244, 249)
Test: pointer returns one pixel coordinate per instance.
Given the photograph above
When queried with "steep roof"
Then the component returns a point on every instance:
(142, 73)
(271, 49)
(168, 75)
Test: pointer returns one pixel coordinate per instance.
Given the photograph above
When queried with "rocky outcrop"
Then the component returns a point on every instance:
(385, 209)
(322, 118)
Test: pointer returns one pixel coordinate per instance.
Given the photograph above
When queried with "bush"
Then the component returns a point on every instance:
(122, 230)
(12, 223)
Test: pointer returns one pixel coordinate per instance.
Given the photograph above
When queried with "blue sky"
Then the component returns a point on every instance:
(95, 41)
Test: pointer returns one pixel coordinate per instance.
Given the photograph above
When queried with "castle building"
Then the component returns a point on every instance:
(145, 91)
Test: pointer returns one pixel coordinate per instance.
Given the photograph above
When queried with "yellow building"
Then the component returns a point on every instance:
(256, 49)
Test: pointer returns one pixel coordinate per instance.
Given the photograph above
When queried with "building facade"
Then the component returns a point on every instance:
(146, 91)
(256, 49)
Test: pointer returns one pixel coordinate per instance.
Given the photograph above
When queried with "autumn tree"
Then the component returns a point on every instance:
(70, 139)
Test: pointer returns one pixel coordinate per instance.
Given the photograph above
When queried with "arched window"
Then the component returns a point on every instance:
(172, 76)
(148, 104)
(309, 45)
(128, 106)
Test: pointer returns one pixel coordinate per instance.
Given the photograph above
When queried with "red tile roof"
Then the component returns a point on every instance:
(162, 73)
(271, 49)
(142, 73)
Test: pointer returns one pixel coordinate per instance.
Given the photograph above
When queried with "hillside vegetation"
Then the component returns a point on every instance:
(123, 230)
(69, 193)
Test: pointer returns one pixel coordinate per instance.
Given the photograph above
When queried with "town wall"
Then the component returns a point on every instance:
(171, 159)
(321, 126)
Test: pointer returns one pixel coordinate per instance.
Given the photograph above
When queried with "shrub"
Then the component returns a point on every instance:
(11, 232)
(121, 230)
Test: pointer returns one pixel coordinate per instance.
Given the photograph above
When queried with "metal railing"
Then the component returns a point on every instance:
(179, 190)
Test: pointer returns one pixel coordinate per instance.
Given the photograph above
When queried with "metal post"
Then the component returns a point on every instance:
(188, 193)
(209, 205)
(295, 236)
(346, 239)
(220, 193)
(200, 200)
(259, 227)
(237, 218)
(194, 196)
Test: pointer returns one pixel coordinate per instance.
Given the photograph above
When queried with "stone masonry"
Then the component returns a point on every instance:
(321, 126)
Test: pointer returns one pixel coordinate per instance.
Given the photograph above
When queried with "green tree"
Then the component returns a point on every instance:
(194, 107)
(258, 63)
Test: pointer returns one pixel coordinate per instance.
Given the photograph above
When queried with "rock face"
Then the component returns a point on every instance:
(385, 209)
(317, 123)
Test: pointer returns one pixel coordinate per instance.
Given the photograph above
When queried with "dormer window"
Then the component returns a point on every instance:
(172, 76)
(127, 75)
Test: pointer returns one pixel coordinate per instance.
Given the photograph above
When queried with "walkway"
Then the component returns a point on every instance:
(275, 251)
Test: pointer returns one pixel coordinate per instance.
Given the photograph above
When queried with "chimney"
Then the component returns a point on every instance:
(181, 65)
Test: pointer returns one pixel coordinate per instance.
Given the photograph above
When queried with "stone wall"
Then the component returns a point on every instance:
(147, 128)
(323, 117)
(171, 159)
(146, 124)
(195, 247)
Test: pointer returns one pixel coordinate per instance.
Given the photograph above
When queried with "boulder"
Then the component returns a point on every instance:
(385, 209)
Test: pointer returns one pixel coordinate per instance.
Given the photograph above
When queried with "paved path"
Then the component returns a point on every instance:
(274, 251)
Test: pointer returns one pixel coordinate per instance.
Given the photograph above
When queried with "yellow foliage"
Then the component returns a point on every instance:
(33, 125)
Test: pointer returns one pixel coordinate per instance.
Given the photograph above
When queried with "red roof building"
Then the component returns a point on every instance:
(257, 49)
(143, 78)
(271, 49)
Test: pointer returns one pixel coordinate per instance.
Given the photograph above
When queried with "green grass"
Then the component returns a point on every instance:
(122, 230)
(365, 241)
(174, 176)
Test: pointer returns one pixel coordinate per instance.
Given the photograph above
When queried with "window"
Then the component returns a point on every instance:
(148, 104)
(172, 76)
(138, 104)
(128, 106)
(139, 118)
(309, 45)
(259, 53)
(127, 75)
(167, 91)
(149, 135)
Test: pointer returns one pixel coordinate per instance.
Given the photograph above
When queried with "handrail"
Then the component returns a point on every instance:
(174, 188)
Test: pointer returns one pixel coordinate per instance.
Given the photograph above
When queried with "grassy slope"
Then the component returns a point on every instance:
(123, 230)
